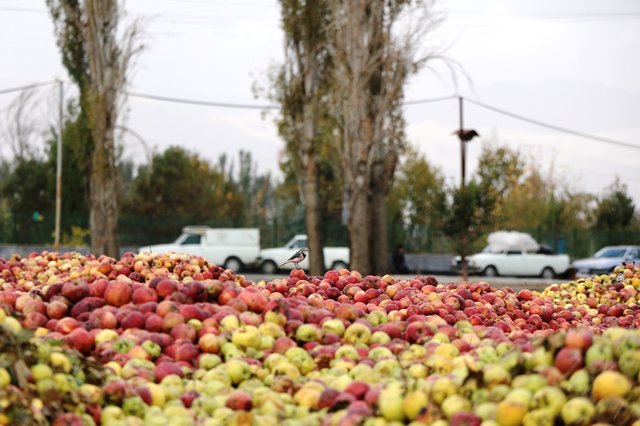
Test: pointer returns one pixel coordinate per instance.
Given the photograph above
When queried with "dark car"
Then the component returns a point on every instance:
(606, 259)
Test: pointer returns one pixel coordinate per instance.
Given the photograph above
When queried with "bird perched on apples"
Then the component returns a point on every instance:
(297, 257)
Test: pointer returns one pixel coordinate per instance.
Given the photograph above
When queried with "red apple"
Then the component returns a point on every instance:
(118, 293)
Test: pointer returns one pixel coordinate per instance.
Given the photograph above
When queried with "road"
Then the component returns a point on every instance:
(498, 282)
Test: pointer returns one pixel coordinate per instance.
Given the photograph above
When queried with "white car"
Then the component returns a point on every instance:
(517, 254)
(271, 258)
(605, 260)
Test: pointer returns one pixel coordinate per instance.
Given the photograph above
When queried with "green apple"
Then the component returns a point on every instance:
(390, 403)
(65, 382)
(271, 329)
(485, 410)
(229, 323)
(333, 326)
(495, 374)
(442, 388)
(629, 363)
(379, 352)
(520, 395)
(549, 397)
(388, 367)
(455, 404)
(287, 369)
(538, 359)
(105, 335)
(347, 351)
(377, 318)
(362, 372)
(41, 371)
(5, 377)
(208, 361)
(539, 417)
(487, 354)
(578, 411)
(579, 383)
(357, 333)
(247, 336)
(308, 333)
(600, 350)
(152, 348)
(418, 371)
(237, 370)
(134, 406)
(111, 414)
(379, 337)
(274, 359)
(275, 318)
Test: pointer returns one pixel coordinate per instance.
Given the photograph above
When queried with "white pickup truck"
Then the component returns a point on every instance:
(334, 257)
(231, 248)
(517, 254)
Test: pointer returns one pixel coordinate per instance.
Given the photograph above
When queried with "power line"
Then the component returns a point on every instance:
(429, 100)
(249, 106)
(27, 87)
(406, 103)
(200, 102)
(553, 126)
(22, 9)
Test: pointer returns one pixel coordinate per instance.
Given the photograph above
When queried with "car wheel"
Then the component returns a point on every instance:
(337, 265)
(268, 267)
(233, 263)
(547, 273)
(490, 271)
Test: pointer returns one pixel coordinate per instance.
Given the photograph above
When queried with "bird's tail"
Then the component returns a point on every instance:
(282, 265)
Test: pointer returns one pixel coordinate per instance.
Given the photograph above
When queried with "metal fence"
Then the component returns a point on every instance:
(135, 231)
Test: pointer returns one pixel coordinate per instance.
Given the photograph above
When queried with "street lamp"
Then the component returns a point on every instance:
(465, 135)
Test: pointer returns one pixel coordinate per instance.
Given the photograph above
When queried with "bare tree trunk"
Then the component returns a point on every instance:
(359, 227)
(310, 189)
(312, 219)
(102, 19)
(379, 238)
(103, 214)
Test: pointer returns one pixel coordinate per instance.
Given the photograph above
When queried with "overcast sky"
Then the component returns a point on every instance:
(574, 64)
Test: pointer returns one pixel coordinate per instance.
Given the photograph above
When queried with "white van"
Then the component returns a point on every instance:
(231, 248)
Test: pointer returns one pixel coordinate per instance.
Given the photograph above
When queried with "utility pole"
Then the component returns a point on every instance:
(465, 135)
(463, 146)
(56, 240)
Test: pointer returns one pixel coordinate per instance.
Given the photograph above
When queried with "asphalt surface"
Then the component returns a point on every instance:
(498, 282)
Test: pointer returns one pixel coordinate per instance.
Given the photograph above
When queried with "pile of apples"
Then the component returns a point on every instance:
(170, 339)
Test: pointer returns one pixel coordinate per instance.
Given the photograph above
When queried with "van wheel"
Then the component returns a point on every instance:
(268, 267)
(233, 263)
(338, 264)
(490, 271)
(548, 273)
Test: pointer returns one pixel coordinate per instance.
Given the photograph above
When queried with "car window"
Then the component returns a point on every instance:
(300, 243)
(634, 254)
(192, 239)
(611, 252)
